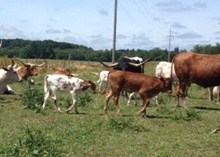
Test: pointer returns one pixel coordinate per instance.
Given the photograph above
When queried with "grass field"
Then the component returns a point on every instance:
(166, 131)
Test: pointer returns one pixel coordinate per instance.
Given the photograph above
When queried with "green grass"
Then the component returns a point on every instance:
(166, 131)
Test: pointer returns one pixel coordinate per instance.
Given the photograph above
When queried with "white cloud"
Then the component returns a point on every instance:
(173, 6)
(189, 35)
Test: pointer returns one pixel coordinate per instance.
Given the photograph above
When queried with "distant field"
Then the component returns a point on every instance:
(166, 131)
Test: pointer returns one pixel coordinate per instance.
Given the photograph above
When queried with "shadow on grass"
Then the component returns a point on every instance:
(158, 117)
(206, 108)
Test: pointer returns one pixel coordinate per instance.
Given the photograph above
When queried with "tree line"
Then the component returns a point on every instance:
(49, 49)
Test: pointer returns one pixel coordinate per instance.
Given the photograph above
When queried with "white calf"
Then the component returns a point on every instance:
(103, 81)
(55, 83)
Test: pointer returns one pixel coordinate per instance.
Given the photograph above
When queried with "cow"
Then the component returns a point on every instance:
(132, 64)
(163, 69)
(26, 71)
(103, 81)
(145, 85)
(103, 85)
(8, 75)
(201, 69)
(55, 83)
(62, 72)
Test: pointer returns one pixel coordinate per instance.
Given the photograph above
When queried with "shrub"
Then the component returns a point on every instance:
(32, 98)
(34, 143)
(84, 99)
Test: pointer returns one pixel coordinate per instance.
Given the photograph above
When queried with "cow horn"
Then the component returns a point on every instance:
(12, 62)
(112, 65)
(139, 64)
(39, 65)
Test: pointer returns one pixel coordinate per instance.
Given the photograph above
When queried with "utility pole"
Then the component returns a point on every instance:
(170, 35)
(114, 32)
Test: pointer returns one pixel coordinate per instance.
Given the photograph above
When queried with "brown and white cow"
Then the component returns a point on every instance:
(55, 83)
(26, 71)
(146, 86)
(201, 69)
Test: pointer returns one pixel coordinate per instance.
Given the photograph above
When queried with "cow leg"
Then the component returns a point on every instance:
(9, 90)
(46, 96)
(115, 99)
(157, 97)
(210, 91)
(146, 102)
(107, 98)
(54, 97)
(73, 103)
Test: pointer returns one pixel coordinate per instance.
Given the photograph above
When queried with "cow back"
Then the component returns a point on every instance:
(201, 69)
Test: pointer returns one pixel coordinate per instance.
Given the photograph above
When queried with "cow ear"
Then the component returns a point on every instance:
(6, 69)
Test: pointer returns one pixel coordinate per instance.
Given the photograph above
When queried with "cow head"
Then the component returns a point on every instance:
(167, 85)
(28, 69)
(10, 74)
(88, 84)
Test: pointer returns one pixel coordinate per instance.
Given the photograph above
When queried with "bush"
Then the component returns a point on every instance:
(32, 98)
(34, 143)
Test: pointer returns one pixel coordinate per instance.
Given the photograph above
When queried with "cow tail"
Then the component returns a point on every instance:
(45, 84)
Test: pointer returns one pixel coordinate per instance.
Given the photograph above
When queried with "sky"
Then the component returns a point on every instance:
(141, 24)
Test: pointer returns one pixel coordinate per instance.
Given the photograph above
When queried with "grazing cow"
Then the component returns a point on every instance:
(146, 86)
(55, 83)
(8, 75)
(201, 69)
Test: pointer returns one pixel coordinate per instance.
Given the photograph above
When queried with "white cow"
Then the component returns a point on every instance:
(55, 83)
(8, 75)
(163, 69)
(103, 81)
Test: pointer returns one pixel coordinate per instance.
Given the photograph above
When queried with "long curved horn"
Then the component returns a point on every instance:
(139, 64)
(112, 65)
(39, 65)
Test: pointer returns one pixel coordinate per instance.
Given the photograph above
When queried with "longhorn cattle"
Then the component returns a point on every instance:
(201, 69)
(133, 64)
(8, 75)
(56, 83)
(25, 72)
(146, 86)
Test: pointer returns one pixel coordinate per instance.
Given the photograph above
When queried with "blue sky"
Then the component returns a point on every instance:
(141, 24)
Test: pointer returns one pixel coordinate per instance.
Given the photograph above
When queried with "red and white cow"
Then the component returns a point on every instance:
(8, 75)
(56, 83)
(146, 86)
